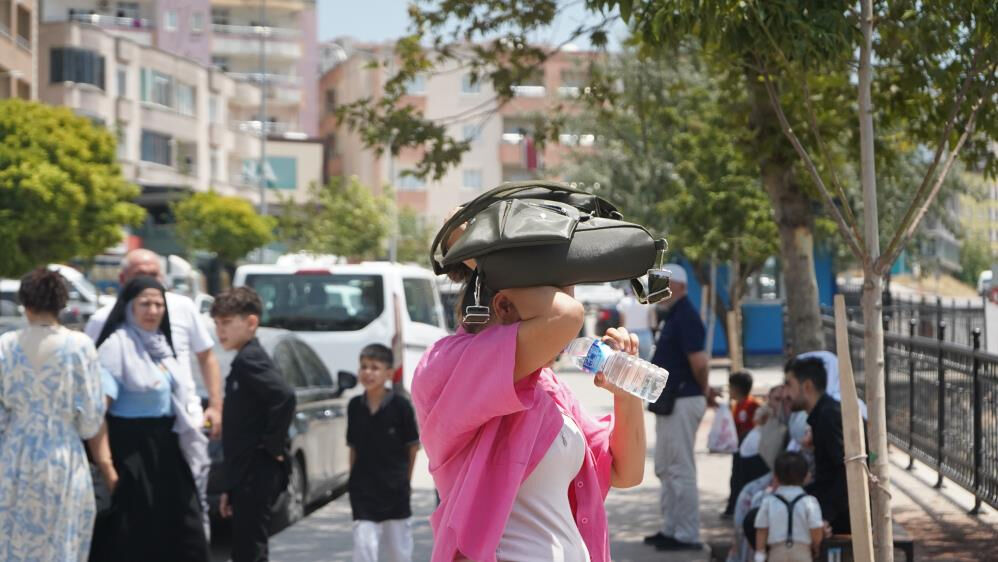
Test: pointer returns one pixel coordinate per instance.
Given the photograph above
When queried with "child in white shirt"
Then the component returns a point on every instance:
(789, 521)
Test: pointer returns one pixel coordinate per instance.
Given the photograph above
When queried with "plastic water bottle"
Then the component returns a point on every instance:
(629, 372)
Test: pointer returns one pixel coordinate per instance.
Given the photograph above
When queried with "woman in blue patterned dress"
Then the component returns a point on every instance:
(50, 399)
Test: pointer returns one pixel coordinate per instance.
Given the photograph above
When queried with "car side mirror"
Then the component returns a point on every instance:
(345, 380)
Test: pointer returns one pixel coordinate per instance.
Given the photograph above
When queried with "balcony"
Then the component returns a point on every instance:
(250, 46)
(257, 78)
(256, 30)
(273, 128)
(283, 95)
(112, 22)
(529, 91)
(24, 43)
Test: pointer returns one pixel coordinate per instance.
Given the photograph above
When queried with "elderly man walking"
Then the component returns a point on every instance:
(678, 412)
(190, 337)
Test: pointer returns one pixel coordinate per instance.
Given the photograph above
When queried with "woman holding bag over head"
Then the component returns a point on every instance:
(521, 469)
(143, 448)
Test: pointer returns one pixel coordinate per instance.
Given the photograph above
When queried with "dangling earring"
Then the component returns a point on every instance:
(477, 314)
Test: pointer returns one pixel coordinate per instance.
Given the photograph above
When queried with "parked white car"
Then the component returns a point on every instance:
(84, 297)
(340, 308)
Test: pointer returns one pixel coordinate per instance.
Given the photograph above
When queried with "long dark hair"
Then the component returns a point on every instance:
(119, 314)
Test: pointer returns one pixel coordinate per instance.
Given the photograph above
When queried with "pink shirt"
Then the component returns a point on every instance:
(484, 435)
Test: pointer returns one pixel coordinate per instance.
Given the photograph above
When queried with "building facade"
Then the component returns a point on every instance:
(180, 125)
(503, 147)
(270, 44)
(18, 49)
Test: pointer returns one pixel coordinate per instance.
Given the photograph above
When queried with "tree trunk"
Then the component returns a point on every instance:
(794, 219)
(873, 336)
(735, 291)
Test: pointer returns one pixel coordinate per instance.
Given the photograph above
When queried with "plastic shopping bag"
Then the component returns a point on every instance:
(722, 437)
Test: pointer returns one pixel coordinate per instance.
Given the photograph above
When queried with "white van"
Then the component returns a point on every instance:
(340, 308)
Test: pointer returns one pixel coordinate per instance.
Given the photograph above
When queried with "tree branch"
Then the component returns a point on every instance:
(893, 249)
(823, 151)
(904, 235)
(846, 232)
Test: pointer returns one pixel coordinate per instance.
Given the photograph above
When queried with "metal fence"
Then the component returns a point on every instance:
(942, 403)
(960, 318)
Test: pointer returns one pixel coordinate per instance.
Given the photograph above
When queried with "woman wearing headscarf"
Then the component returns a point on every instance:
(144, 450)
(50, 398)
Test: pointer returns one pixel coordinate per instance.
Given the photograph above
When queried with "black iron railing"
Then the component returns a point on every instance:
(942, 402)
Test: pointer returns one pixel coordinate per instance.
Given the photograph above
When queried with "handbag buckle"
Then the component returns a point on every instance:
(477, 314)
(658, 278)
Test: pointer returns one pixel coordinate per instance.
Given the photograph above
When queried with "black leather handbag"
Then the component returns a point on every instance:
(537, 233)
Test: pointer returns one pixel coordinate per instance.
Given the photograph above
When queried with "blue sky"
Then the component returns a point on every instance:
(378, 20)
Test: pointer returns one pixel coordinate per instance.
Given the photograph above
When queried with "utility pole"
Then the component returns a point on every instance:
(393, 239)
(262, 29)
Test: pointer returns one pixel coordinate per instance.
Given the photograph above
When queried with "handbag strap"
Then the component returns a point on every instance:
(505, 191)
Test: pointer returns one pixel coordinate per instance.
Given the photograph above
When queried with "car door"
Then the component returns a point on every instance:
(308, 420)
(330, 440)
(425, 324)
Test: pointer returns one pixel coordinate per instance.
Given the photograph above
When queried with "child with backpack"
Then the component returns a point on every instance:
(788, 523)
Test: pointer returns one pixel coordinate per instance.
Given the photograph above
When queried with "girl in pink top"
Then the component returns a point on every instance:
(521, 470)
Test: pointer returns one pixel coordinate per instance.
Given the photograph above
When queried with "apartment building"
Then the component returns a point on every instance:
(18, 49)
(503, 147)
(180, 125)
(229, 35)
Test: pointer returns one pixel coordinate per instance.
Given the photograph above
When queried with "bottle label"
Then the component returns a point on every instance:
(597, 355)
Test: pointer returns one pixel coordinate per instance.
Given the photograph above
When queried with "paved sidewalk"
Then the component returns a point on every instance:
(633, 513)
(936, 518)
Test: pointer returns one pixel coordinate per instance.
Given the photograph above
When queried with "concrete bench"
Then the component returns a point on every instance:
(838, 548)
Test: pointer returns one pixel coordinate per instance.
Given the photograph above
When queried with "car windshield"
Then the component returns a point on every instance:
(319, 302)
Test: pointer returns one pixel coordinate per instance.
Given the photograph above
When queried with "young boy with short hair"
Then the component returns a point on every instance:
(789, 520)
(383, 440)
(256, 414)
(743, 410)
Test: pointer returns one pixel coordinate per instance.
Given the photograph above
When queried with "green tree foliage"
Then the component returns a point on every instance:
(227, 226)
(342, 218)
(975, 257)
(674, 157)
(414, 237)
(61, 193)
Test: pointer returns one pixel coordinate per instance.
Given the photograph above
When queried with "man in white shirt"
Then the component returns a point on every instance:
(638, 319)
(190, 337)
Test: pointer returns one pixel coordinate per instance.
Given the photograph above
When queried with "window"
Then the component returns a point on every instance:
(472, 179)
(321, 302)
(77, 65)
(128, 10)
(416, 85)
(186, 96)
(157, 88)
(220, 16)
(121, 134)
(316, 373)
(220, 63)
(419, 301)
(469, 85)
(214, 110)
(213, 162)
(197, 22)
(410, 183)
(171, 20)
(471, 133)
(122, 83)
(284, 358)
(330, 100)
(157, 148)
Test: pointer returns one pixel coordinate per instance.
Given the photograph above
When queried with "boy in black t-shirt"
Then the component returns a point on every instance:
(383, 440)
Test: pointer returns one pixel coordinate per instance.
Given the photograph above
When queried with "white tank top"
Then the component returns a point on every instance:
(541, 527)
